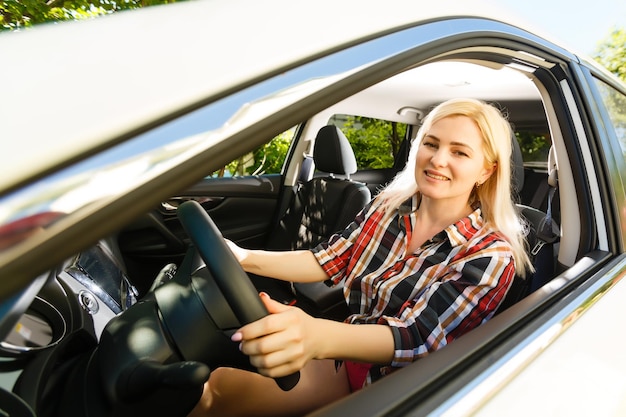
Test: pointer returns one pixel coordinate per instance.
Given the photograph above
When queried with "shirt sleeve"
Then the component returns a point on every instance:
(334, 254)
(466, 296)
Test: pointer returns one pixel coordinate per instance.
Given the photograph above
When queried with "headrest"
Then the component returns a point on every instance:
(517, 166)
(332, 152)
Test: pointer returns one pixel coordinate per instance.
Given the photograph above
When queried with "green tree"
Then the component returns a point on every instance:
(534, 146)
(17, 14)
(269, 158)
(375, 142)
(266, 159)
(611, 52)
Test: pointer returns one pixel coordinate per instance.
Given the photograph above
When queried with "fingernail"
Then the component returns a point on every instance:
(263, 294)
(236, 337)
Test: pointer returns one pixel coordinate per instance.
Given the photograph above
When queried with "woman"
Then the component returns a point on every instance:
(430, 258)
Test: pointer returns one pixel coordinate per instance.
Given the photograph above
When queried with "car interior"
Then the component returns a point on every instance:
(321, 188)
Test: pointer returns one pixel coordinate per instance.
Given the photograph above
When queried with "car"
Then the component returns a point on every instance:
(133, 143)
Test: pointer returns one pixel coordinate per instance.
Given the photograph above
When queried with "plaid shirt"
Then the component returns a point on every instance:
(450, 285)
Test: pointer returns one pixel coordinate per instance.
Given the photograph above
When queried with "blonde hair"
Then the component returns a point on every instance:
(495, 194)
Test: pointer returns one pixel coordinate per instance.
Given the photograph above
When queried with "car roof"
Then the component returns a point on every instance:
(76, 87)
(408, 96)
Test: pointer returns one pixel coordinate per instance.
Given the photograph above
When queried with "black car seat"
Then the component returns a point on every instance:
(328, 202)
(318, 208)
(543, 234)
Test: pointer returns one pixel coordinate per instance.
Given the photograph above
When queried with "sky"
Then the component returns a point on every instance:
(581, 24)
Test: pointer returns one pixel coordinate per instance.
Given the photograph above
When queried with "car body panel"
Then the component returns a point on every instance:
(151, 97)
(574, 362)
(442, 386)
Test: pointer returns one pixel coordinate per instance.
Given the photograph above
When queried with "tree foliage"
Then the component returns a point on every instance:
(611, 52)
(534, 146)
(375, 142)
(18, 14)
(266, 159)
(269, 158)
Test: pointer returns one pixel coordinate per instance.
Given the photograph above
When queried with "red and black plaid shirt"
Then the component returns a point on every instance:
(450, 285)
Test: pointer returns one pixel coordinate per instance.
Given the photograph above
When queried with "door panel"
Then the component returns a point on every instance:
(242, 207)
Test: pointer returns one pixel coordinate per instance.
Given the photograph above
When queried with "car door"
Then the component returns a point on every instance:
(458, 379)
(242, 198)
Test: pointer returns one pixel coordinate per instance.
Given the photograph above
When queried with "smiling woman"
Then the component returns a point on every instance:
(415, 279)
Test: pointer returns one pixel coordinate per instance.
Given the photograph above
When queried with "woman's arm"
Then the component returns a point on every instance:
(370, 343)
(295, 266)
(284, 341)
(299, 265)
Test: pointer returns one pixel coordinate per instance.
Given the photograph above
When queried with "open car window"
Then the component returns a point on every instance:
(268, 158)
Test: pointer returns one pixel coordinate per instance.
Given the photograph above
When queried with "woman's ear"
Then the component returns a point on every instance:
(487, 172)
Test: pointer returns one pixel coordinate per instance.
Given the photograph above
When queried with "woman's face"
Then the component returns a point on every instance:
(451, 160)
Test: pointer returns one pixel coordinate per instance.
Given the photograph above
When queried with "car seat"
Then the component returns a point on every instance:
(318, 208)
(542, 234)
(328, 202)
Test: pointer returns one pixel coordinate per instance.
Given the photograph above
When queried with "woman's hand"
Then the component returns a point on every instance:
(239, 252)
(280, 343)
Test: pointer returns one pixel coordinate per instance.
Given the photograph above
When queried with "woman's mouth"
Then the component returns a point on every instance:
(436, 176)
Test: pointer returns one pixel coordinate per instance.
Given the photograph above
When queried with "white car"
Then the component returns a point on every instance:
(120, 134)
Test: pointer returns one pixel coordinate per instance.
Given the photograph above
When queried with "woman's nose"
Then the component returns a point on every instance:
(439, 158)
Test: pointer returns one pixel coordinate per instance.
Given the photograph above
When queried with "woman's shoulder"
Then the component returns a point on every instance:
(494, 240)
(485, 234)
(376, 204)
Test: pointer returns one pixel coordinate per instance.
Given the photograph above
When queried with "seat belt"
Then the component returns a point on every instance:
(540, 195)
(543, 251)
(303, 176)
(288, 200)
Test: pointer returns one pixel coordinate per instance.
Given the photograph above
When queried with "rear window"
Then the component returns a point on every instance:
(535, 146)
(375, 142)
(615, 103)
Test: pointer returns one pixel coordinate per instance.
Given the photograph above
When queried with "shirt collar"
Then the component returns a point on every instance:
(463, 230)
(457, 233)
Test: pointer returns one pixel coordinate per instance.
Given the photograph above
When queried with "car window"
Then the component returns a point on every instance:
(266, 159)
(615, 103)
(375, 142)
(535, 146)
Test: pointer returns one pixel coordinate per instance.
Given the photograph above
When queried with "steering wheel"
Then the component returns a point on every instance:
(154, 357)
(228, 274)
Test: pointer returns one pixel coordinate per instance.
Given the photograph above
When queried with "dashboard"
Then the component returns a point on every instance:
(86, 291)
